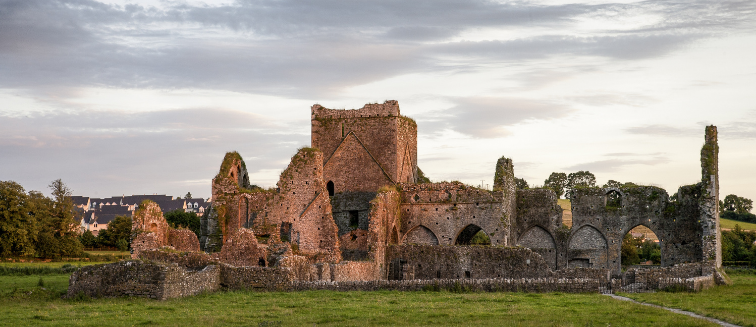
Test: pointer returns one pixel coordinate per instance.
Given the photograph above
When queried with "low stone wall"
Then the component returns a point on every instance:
(354, 271)
(577, 285)
(257, 278)
(458, 262)
(190, 260)
(137, 278)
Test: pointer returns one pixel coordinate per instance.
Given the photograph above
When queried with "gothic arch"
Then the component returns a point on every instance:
(588, 247)
(420, 235)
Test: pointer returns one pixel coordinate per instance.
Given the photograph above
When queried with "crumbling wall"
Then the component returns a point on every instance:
(446, 209)
(537, 220)
(151, 229)
(709, 201)
(504, 189)
(242, 250)
(183, 240)
(137, 278)
(459, 262)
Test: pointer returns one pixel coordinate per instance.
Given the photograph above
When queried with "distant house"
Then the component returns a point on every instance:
(98, 212)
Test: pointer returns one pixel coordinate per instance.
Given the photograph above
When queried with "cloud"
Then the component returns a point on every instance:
(488, 117)
(612, 165)
(298, 48)
(117, 152)
(664, 130)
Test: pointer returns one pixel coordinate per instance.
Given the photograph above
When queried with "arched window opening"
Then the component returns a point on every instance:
(640, 246)
(470, 234)
(613, 200)
(329, 186)
(261, 262)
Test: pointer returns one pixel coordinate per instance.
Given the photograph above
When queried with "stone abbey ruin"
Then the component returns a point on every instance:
(348, 213)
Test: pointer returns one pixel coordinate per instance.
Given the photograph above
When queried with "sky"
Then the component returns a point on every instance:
(141, 97)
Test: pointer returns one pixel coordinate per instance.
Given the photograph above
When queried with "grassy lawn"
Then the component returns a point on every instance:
(735, 304)
(47, 264)
(24, 303)
(730, 224)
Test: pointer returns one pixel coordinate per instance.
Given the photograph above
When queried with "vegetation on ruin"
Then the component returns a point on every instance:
(734, 304)
(421, 178)
(228, 162)
(24, 302)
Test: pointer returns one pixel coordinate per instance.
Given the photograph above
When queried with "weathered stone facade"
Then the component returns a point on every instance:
(348, 213)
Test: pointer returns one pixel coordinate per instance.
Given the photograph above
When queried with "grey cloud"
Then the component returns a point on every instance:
(664, 130)
(301, 48)
(610, 165)
(115, 153)
(489, 117)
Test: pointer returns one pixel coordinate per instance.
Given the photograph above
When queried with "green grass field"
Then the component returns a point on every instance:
(24, 303)
(730, 224)
(735, 304)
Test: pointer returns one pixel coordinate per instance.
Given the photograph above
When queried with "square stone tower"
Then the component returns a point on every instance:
(365, 149)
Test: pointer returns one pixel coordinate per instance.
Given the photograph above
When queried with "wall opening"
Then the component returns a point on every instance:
(329, 187)
(640, 246)
(613, 200)
(261, 262)
(467, 234)
(354, 219)
(286, 232)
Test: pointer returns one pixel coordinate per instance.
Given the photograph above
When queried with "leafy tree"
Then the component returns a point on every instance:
(557, 182)
(737, 204)
(612, 183)
(179, 218)
(59, 223)
(188, 196)
(630, 250)
(521, 183)
(480, 238)
(88, 239)
(18, 225)
(581, 178)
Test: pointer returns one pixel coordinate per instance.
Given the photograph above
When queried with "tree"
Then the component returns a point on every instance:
(557, 182)
(521, 183)
(188, 196)
(612, 184)
(120, 229)
(179, 218)
(61, 223)
(88, 239)
(18, 226)
(581, 178)
(630, 250)
(737, 204)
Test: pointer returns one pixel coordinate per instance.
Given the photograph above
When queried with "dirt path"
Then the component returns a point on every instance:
(687, 313)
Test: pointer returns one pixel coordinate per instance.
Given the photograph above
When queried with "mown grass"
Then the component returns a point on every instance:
(23, 302)
(109, 252)
(735, 304)
(730, 224)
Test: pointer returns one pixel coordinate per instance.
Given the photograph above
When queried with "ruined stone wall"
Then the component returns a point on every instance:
(709, 202)
(137, 278)
(504, 189)
(530, 285)
(347, 204)
(255, 278)
(183, 240)
(365, 148)
(150, 227)
(437, 213)
(242, 250)
(459, 262)
(538, 220)
(385, 224)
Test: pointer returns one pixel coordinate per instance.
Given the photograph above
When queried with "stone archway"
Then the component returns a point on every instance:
(588, 248)
(420, 235)
(540, 241)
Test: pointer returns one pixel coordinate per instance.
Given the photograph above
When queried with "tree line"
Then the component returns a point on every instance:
(34, 225)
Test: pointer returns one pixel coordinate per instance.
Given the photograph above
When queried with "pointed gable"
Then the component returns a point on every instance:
(354, 169)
